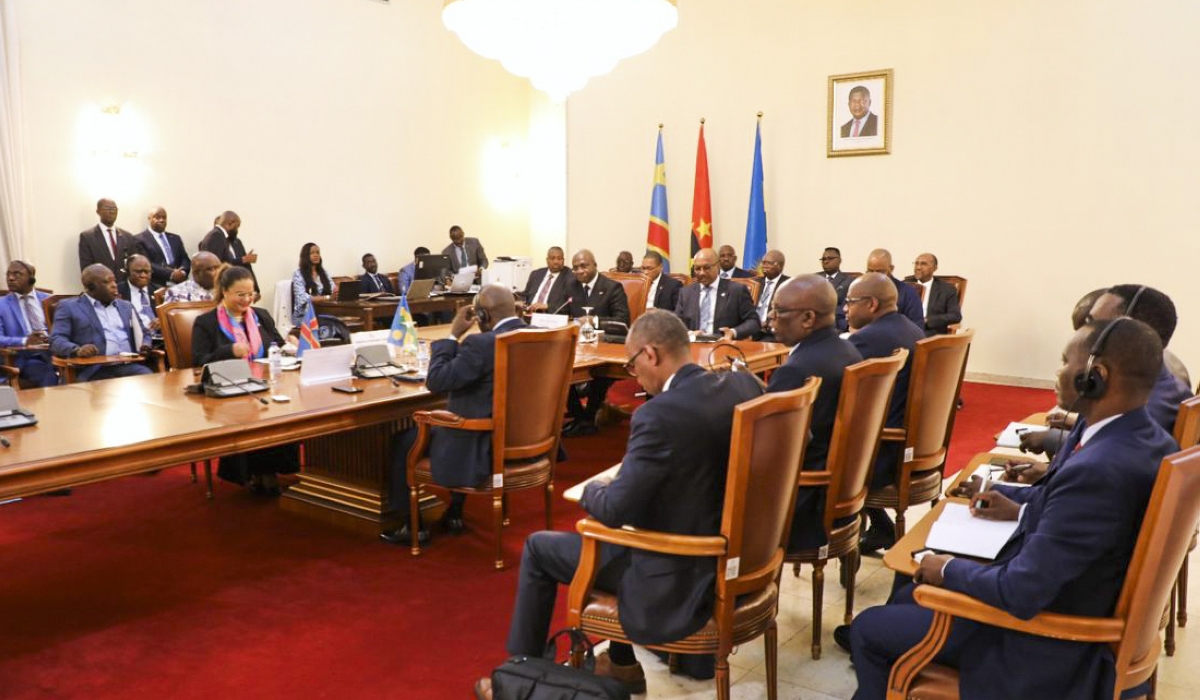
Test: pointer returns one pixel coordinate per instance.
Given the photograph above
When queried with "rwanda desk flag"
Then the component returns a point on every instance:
(308, 332)
(756, 221)
(404, 329)
(701, 201)
(658, 237)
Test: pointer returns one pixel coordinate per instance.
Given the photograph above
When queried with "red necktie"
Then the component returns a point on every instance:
(112, 238)
(855, 128)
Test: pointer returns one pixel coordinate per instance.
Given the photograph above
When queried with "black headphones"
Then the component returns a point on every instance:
(1088, 383)
(481, 313)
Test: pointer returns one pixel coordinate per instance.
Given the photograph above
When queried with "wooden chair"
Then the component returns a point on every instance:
(685, 278)
(159, 295)
(177, 320)
(960, 284)
(1133, 629)
(768, 438)
(1187, 434)
(49, 304)
(861, 410)
(337, 281)
(751, 284)
(935, 379)
(525, 426)
(68, 367)
(635, 291)
(394, 278)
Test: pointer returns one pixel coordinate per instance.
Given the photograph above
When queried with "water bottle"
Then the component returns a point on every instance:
(422, 357)
(275, 362)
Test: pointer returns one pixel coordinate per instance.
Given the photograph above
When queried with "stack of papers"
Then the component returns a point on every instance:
(1011, 437)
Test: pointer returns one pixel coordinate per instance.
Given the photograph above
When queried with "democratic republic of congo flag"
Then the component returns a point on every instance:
(658, 237)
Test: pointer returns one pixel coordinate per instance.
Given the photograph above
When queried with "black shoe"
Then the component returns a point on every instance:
(875, 540)
(699, 667)
(841, 636)
(58, 493)
(452, 524)
(580, 428)
(403, 536)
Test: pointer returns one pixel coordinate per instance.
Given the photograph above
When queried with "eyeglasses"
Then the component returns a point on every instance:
(829, 258)
(629, 368)
(855, 300)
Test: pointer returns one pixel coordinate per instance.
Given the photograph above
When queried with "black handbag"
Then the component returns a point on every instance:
(542, 678)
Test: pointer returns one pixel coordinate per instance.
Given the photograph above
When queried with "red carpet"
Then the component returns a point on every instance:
(141, 588)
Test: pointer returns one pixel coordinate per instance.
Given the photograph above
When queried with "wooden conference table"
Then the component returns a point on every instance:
(102, 430)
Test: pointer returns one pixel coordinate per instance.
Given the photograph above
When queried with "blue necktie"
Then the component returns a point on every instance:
(705, 311)
(166, 246)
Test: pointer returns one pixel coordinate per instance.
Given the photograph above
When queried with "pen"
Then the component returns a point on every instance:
(985, 483)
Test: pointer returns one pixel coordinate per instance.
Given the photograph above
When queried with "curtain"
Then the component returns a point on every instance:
(13, 209)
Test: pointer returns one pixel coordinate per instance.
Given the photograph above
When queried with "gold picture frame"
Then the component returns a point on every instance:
(860, 93)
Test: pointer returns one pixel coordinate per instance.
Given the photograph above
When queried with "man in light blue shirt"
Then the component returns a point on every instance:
(99, 323)
(408, 272)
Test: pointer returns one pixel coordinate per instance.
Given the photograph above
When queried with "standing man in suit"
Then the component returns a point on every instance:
(607, 301)
(99, 323)
(773, 278)
(223, 242)
(372, 282)
(939, 302)
(803, 317)
(831, 268)
(547, 287)
(716, 306)
(168, 258)
(877, 330)
(139, 291)
(672, 479)
(863, 121)
(1071, 549)
(23, 323)
(463, 367)
(106, 244)
(728, 258)
(907, 300)
(663, 292)
(465, 251)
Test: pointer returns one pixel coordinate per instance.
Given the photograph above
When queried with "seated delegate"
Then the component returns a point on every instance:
(308, 281)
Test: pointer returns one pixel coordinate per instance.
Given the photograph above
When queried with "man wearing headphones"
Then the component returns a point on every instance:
(1071, 550)
(462, 367)
(23, 323)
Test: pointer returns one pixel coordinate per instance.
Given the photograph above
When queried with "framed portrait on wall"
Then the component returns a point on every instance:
(860, 114)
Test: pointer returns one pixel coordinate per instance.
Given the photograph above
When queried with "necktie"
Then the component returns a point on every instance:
(856, 123)
(112, 239)
(545, 290)
(706, 311)
(145, 304)
(166, 246)
(462, 255)
(765, 303)
(35, 319)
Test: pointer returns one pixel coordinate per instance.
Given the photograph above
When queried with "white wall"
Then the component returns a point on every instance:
(1041, 149)
(359, 125)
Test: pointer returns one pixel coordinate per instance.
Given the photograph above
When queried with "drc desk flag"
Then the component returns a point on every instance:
(308, 332)
(404, 329)
(756, 221)
(701, 201)
(658, 237)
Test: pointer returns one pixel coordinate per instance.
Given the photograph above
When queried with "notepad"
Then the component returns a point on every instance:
(575, 493)
(1011, 437)
(958, 532)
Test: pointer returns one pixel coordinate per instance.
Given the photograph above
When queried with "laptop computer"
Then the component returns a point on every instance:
(420, 289)
(464, 281)
(349, 290)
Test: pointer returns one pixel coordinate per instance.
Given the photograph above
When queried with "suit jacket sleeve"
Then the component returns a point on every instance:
(532, 285)
(748, 323)
(950, 313)
(208, 343)
(618, 304)
(910, 305)
(480, 258)
(86, 256)
(454, 366)
(12, 333)
(63, 330)
(646, 465)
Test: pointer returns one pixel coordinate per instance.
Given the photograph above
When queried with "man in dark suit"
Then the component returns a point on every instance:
(831, 268)
(546, 290)
(461, 366)
(139, 291)
(939, 300)
(371, 281)
(1071, 549)
(98, 323)
(772, 280)
(106, 244)
(465, 251)
(713, 305)
(863, 121)
(663, 292)
(908, 302)
(803, 317)
(728, 259)
(23, 323)
(223, 242)
(607, 301)
(878, 330)
(169, 260)
(672, 479)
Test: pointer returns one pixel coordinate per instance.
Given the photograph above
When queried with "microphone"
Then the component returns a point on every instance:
(358, 356)
(565, 304)
(239, 387)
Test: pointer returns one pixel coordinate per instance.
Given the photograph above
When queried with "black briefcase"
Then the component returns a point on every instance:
(533, 678)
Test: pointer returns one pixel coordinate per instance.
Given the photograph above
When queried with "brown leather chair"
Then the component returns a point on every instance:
(1187, 434)
(177, 320)
(935, 380)
(49, 304)
(394, 278)
(635, 291)
(768, 439)
(751, 284)
(861, 410)
(1133, 629)
(526, 423)
(683, 277)
(960, 284)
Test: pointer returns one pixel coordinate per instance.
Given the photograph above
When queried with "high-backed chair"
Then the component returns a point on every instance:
(960, 284)
(526, 423)
(934, 382)
(177, 320)
(751, 284)
(635, 291)
(49, 304)
(1133, 628)
(861, 411)
(1187, 434)
(683, 277)
(768, 440)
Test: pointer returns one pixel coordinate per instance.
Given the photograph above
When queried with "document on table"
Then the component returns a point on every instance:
(576, 492)
(958, 532)
(1011, 437)
(984, 471)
